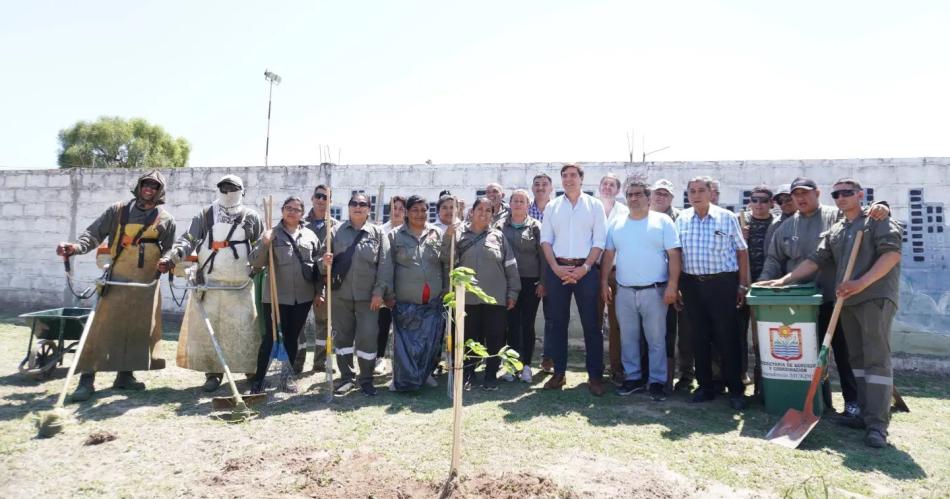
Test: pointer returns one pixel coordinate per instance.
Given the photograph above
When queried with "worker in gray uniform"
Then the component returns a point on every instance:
(792, 242)
(871, 297)
(316, 221)
(362, 272)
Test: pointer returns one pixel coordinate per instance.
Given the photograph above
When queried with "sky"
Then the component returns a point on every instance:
(403, 82)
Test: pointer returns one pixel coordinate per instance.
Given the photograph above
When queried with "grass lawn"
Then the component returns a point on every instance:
(518, 441)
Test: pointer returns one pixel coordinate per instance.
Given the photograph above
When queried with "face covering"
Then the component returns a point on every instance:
(230, 202)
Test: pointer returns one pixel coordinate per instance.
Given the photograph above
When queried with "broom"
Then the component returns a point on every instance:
(51, 422)
(279, 365)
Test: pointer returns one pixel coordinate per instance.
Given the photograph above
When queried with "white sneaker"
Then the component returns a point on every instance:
(380, 368)
(526, 374)
(430, 381)
(391, 386)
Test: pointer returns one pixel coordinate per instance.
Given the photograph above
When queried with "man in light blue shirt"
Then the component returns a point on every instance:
(645, 248)
(572, 238)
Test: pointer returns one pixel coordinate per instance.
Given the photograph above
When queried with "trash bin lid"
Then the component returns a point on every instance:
(793, 294)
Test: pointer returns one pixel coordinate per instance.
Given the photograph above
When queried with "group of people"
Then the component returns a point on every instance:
(669, 284)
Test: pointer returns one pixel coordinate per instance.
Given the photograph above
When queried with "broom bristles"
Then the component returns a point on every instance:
(49, 423)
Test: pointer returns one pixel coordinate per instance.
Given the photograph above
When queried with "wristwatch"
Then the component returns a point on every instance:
(744, 288)
(586, 267)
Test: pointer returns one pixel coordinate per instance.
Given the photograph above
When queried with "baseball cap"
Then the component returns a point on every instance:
(803, 183)
(231, 179)
(663, 184)
(782, 189)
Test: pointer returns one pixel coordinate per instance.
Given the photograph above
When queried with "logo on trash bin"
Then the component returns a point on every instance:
(785, 342)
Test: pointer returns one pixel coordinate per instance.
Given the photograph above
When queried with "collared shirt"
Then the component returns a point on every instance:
(618, 211)
(797, 238)
(388, 227)
(292, 286)
(319, 227)
(880, 237)
(501, 214)
(371, 272)
(572, 230)
(418, 261)
(490, 256)
(525, 241)
(710, 243)
(535, 212)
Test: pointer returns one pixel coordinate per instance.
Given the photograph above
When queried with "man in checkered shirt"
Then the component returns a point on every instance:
(713, 284)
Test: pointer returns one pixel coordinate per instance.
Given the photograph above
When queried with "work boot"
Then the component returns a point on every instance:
(875, 438)
(212, 382)
(125, 380)
(547, 365)
(299, 360)
(683, 384)
(596, 387)
(85, 389)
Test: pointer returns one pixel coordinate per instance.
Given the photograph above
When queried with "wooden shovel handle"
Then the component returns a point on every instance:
(832, 325)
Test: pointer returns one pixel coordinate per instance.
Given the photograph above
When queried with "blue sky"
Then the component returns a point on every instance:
(402, 82)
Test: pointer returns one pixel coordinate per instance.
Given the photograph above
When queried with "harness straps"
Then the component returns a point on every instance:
(123, 240)
(214, 246)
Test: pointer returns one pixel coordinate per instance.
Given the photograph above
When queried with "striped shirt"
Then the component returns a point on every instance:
(710, 243)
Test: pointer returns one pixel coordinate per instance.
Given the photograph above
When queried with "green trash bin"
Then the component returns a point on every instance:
(786, 327)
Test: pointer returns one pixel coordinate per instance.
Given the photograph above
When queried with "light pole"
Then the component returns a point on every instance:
(272, 78)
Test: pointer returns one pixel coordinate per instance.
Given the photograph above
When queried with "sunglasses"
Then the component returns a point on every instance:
(361, 204)
(843, 193)
(320, 196)
(226, 188)
(757, 200)
(151, 185)
(783, 199)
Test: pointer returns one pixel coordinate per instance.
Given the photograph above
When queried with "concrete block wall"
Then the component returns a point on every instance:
(39, 208)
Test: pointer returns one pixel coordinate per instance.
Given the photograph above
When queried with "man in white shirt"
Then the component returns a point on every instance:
(615, 210)
(646, 249)
(572, 237)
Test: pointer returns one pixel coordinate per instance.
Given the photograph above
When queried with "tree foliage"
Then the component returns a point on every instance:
(113, 142)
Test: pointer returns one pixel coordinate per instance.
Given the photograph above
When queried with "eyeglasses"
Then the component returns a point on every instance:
(845, 193)
(783, 199)
(291, 209)
(361, 204)
(757, 200)
(320, 196)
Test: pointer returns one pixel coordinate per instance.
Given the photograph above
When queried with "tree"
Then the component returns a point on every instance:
(112, 142)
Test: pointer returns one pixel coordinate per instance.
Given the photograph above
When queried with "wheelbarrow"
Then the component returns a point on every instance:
(56, 332)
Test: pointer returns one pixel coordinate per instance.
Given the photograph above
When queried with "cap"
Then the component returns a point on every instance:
(803, 183)
(231, 179)
(663, 184)
(782, 189)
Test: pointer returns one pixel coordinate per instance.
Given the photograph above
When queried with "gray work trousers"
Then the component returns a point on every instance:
(867, 328)
(355, 329)
(633, 308)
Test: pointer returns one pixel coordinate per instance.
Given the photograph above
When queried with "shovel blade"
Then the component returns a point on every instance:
(792, 428)
(223, 403)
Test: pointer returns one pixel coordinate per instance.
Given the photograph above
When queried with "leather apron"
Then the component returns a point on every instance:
(232, 312)
(127, 326)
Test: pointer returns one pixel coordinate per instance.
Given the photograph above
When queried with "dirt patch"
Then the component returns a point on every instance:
(99, 437)
(505, 486)
(310, 472)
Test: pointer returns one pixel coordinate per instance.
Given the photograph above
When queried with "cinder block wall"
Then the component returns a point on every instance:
(39, 208)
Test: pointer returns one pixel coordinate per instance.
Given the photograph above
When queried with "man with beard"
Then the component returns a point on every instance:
(128, 322)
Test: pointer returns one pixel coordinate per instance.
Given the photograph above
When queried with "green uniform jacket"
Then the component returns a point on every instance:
(794, 240)
(319, 228)
(493, 261)
(293, 287)
(417, 262)
(106, 225)
(525, 241)
(371, 273)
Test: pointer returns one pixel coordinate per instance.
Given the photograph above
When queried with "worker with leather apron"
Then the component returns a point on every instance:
(222, 235)
(124, 334)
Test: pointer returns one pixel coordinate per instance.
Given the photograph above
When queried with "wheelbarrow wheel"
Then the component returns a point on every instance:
(42, 360)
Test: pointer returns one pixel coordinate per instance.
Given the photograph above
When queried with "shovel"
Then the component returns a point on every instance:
(795, 425)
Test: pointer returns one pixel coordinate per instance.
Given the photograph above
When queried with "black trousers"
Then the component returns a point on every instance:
(385, 320)
(839, 348)
(711, 307)
(292, 320)
(521, 336)
(485, 324)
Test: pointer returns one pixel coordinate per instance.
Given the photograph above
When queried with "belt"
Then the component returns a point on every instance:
(574, 262)
(648, 286)
(710, 277)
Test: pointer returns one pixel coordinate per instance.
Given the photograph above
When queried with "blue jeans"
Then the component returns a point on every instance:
(559, 307)
(646, 305)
